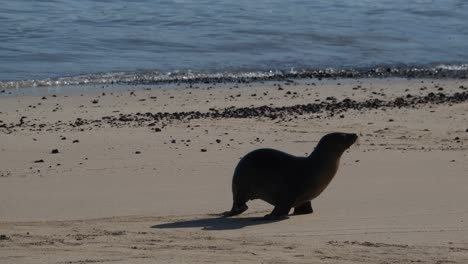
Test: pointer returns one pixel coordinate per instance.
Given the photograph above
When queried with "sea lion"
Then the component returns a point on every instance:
(286, 181)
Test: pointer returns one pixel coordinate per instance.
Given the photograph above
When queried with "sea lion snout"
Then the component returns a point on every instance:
(352, 137)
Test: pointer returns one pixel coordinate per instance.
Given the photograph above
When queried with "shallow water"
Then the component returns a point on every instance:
(53, 39)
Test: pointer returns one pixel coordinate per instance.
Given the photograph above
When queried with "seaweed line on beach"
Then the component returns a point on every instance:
(330, 107)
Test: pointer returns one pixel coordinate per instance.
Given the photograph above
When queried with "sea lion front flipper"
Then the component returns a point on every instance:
(304, 208)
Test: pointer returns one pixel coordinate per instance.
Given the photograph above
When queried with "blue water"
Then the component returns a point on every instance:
(52, 39)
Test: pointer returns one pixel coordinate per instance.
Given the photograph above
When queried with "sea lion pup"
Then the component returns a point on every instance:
(287, 181)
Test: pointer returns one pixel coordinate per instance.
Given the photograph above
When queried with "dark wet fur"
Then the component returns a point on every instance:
(286, 181)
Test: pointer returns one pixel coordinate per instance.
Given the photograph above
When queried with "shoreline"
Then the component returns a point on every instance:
(151, 78)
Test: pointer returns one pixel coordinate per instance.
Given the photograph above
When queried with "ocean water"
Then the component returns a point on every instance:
(104, 40)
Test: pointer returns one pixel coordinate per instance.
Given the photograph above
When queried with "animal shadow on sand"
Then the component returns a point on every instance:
(217, 223)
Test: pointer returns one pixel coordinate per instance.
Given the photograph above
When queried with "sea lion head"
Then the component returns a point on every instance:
(336, 142)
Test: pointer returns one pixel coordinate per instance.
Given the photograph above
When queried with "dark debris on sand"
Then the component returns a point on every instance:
(327, 107)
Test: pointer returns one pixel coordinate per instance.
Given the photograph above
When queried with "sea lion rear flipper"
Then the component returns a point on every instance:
(280, 211)
(304, 208)
(236, 210)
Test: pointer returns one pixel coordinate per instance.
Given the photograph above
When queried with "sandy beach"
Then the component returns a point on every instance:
(137, 174)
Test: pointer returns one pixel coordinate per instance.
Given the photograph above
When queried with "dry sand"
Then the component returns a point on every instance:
(121, 192)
